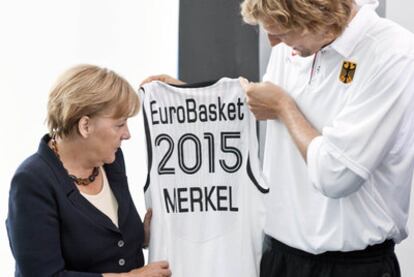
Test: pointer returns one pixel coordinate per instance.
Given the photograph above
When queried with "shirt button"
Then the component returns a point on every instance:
(121, 262)
(121, 243)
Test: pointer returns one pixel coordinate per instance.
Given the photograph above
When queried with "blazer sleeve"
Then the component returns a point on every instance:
(33, 227)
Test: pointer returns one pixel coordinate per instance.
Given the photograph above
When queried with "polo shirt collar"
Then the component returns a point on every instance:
(354, 32)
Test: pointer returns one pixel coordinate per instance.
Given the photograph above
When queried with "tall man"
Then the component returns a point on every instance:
(338, 98)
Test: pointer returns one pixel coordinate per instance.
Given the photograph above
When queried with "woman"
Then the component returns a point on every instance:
(70, 210)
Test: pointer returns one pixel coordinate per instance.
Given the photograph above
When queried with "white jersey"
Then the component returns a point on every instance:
(204, 182)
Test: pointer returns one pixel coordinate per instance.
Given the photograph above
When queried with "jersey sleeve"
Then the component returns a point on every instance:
(254, 169)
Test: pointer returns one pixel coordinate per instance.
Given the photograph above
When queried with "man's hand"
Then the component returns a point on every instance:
(163, 78)
(266, 100)
(269, 101)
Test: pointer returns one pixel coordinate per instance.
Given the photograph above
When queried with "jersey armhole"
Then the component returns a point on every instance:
(148, 142)
(254, 179)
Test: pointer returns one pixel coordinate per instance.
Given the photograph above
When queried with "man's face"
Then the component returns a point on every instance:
(303, 43)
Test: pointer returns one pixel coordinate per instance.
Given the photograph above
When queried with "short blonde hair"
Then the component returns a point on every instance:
(88, 90)
(315, 16)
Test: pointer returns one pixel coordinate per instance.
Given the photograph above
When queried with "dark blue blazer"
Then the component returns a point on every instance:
(54, 231)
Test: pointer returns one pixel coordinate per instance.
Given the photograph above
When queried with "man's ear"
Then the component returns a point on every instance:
(85, 126)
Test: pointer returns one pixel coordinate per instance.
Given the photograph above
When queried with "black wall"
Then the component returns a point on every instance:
(214, 42)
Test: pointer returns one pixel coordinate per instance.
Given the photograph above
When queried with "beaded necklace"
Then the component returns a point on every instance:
(79, 181)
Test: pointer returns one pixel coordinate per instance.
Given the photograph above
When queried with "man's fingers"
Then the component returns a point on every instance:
(161, 77)
(245, 84)
(146, 80)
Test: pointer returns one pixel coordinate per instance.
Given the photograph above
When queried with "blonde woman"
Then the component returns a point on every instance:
(70, 209)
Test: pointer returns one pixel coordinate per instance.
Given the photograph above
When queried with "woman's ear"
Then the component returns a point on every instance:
(85, 126)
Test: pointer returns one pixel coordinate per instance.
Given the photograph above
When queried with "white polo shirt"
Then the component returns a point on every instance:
(354, 191)
(371, 3)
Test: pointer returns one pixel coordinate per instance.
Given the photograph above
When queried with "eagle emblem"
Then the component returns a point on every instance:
(347, 72)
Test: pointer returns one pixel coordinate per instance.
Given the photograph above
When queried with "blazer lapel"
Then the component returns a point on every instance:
(118, 184)
(72, 191)
(91, 211)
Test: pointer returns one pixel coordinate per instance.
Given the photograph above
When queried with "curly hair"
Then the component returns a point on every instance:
(88, 90)
(302, 15)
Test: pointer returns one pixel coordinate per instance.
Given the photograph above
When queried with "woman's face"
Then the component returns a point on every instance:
(106, 136)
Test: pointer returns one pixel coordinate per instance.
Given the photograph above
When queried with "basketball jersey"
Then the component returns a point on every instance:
(204, 183)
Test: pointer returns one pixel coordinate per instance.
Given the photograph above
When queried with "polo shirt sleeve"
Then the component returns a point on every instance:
(364, 132)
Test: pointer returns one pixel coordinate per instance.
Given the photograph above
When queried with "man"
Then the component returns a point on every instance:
(338, 98)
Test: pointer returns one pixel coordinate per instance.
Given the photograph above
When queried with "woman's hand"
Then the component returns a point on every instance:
(147, 227)
(156, 269)
(163, 78)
